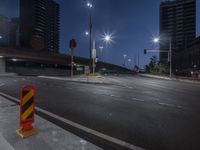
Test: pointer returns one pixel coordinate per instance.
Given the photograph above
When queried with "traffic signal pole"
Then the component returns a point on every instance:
(164, 51)
(72, 46)
(72, 63)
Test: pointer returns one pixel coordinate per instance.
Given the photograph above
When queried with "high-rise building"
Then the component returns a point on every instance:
(14, 33)
(39, 25)
(4, 31)
(178, 25)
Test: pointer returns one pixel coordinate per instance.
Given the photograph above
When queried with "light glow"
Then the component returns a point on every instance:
(156, 40)
(89, 5)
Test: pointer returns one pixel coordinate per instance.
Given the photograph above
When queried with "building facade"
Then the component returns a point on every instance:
(14, 32)
(39, 25)
(4, 31)
(177, 26)
(189, 59)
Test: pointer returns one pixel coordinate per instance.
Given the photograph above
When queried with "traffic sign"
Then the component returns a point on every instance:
(72, 44)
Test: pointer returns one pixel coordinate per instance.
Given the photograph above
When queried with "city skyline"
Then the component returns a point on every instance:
(130, 35)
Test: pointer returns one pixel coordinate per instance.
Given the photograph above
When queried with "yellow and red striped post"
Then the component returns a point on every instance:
(27, 112)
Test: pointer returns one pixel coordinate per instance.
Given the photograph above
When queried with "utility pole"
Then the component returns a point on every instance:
(170, 56)
(90, 47)
(93, 57)
(124, 59)
(138, 59)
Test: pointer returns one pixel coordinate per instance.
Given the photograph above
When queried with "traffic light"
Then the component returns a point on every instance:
(72, 44)
(145, 51)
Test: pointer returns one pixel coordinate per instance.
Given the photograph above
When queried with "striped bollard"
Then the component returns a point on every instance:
(27, 112)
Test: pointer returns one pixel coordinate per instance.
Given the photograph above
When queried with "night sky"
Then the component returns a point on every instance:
(132, 23)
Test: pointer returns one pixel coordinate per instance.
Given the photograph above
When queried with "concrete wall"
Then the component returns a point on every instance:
(40, 71)
(2, 66)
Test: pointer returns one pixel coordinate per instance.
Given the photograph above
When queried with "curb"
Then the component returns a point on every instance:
(167, 78)
(4, 145)
(8, 74)
(84, 82)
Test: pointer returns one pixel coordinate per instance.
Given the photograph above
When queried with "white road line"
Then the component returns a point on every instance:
(165, 104)
(136, 99)
(2, 84)
(129, 87)
(83, 128)
(171, 105)
(179, 106)
(147, 92)
(115, 96)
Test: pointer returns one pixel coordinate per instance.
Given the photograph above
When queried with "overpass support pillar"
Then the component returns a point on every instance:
(2, 66)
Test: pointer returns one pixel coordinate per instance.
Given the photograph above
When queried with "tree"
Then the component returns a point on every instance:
(155, 67)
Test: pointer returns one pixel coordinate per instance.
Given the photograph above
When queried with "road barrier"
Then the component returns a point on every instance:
(27, 112)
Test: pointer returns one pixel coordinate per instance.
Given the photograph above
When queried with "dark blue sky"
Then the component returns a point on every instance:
(132, 22)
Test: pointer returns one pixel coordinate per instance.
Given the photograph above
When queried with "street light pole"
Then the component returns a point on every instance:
(170, 56)
(129, 65)
(101, 52)
(156, 40)
(125, 59)
(89, 5)
(90, 47)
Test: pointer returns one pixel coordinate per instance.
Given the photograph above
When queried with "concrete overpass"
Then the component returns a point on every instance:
(27, 55)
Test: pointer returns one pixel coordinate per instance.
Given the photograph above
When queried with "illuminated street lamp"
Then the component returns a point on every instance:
(124, 59)
(107, 38)
(89, 5)
(129, 62)
(157, 40)
(86, 33)
(1, 37)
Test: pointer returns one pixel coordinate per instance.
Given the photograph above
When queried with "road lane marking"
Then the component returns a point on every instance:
(147, 92)
(115, 96)
(129, 87)
(171, 105)
(165, 104)
(136, 99)
(83, 128)
(180, 107)
(2, 84)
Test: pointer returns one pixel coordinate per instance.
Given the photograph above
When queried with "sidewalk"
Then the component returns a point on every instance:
(168, 78)
(81, 79)
(50, 136)
(7, 74)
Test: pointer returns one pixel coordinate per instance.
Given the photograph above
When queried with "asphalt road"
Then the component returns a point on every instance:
(149, 113)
